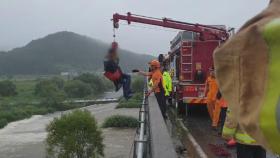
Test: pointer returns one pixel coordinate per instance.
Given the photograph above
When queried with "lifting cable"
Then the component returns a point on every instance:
(114, 34)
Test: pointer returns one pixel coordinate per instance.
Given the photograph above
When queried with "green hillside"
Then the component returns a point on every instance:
(63, 51)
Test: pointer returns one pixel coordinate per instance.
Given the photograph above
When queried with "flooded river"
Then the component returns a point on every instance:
(25, 138)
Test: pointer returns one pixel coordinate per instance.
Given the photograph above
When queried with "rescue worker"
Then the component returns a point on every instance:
(167, 82)
(219, 111)
(211, 88)
(247, 70)
(157, 85)
(224, 107)
(246, 146)
(199, 75)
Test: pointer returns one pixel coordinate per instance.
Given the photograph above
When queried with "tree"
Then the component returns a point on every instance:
(43, 87)
(51, 95)
(77, 89)
(94, 81)
(74, 135)
(59, 82)
(7, 88)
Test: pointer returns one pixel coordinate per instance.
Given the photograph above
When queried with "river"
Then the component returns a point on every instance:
(25, 138)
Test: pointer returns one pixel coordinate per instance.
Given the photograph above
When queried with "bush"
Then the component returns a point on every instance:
(59, 82)
(44, 87)
(138, 84)
(97, 83)
(77, 89)
(14, 115)
(93, 80)
(129, 104)
(74, 135)
(120, 121)
(7, 88)
(138, 96)
(52, 95)
(3, 123)
(134, 102)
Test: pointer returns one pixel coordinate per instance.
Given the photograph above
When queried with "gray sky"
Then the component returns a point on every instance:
(24, 20)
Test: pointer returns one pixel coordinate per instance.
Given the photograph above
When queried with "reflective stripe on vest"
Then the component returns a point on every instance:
(228, 131)
(150, 84)
(269, 117)
(244, 138)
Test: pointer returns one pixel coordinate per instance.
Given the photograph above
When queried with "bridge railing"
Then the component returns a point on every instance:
(142, 141)
(153, 139)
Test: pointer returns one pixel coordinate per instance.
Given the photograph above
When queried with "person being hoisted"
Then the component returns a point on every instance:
(114, 73)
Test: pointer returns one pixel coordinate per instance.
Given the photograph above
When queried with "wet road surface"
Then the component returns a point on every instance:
(199, 124)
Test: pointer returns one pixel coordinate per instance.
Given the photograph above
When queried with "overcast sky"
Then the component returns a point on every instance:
(24, 20)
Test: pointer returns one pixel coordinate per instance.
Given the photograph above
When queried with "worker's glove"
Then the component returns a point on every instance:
(148, 93)
(135, 70)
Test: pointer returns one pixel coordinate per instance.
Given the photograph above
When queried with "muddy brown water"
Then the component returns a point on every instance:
(25, 138)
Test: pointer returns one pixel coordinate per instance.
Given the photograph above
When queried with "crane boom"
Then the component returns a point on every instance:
(206, 32)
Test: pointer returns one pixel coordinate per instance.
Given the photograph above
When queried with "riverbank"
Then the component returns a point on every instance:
(43, 96)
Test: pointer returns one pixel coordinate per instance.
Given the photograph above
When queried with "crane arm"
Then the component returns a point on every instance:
(205, 31)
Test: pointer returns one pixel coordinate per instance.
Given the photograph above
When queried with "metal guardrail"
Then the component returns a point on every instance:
(142, 142)
(153, 139)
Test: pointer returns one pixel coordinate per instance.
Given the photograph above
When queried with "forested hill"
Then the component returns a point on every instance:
(63, 51)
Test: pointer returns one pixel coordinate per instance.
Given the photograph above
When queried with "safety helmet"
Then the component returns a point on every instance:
(155, 63)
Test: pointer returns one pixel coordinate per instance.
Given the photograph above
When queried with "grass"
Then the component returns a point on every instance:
(25, 90)
(120, 121)
(134, 102)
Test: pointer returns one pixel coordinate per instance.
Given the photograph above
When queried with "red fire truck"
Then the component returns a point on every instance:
(190, 56)
(189, 60)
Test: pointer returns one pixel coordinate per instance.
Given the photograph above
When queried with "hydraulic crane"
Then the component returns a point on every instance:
(206, 32)
(190, 56)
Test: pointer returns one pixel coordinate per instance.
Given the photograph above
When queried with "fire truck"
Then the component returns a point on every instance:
(190, 56)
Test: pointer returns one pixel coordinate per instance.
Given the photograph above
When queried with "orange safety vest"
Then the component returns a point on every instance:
(213, 88)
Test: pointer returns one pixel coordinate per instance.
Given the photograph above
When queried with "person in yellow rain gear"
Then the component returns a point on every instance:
(219, 113)
(247, 70)
(167, 83)
(246, 146)
(211, 88)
